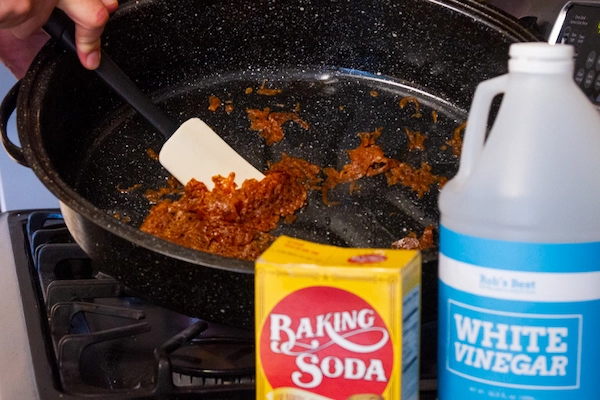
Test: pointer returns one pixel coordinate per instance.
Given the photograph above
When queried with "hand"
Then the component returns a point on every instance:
(24, 18)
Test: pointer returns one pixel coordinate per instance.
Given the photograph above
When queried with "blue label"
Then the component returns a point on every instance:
(539, 351)
(498, 341)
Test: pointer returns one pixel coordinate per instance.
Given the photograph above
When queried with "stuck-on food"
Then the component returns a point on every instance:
(236, 221)
(412, 242)
(231, 221)
(269, 125)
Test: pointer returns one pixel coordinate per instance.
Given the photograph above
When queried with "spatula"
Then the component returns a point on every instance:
(192, 149)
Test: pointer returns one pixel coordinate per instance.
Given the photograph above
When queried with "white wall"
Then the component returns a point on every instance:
(20, 189)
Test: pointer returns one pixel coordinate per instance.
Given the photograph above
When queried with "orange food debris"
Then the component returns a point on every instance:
(415, 140)
(174, 187)
(418, 179)
(122, 218)
(366, 160)
(214, 103)
(129, 189)
(269, 124)
(229, 106)
(152, 154)
(456, 142)
(413, 100)
(412, 242)
(267, 92)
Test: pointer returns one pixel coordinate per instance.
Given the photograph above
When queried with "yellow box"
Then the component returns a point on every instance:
(337, 323)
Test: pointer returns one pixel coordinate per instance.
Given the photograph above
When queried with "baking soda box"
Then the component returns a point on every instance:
(337, 323)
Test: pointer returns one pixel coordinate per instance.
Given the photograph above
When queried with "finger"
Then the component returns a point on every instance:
(88, 45)
(89, 16)
(111, 5)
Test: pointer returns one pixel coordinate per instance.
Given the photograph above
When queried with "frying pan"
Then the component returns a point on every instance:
(343, 65)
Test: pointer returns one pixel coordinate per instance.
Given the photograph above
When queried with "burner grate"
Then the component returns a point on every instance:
(107, 341)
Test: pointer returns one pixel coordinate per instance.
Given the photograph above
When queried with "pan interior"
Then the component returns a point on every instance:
(337, 104)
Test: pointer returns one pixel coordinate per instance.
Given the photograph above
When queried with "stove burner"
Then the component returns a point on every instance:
(106, 340)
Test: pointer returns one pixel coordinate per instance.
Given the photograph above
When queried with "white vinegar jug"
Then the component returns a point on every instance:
(519, 267)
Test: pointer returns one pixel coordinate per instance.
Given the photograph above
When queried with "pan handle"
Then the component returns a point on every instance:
(7, 108)
(474, 138)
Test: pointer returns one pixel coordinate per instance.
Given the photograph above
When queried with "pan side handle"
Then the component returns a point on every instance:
(7, 108)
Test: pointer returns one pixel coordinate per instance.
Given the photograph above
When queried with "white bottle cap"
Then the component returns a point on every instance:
(539, 57)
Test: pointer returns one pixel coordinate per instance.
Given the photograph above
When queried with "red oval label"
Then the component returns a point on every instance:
(327, 341)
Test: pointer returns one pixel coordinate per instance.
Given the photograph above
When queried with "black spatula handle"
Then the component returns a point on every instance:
(61, 28)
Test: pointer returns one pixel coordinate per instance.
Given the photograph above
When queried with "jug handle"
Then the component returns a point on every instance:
(475, 132)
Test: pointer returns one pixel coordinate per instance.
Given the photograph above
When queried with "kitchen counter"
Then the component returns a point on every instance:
(16, 370)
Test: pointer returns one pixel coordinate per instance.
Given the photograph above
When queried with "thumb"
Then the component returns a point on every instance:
(89, 16)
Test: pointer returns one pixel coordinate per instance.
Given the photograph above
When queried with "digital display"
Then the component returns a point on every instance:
(580, 28)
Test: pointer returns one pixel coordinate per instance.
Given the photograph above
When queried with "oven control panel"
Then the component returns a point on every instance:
(578, 24)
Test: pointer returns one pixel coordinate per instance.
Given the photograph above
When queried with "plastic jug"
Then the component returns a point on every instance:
(519, 267)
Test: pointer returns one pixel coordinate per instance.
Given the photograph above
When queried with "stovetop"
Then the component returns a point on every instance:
(69, 332)
(90, 335)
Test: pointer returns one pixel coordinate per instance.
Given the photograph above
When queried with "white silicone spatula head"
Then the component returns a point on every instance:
(196, 151)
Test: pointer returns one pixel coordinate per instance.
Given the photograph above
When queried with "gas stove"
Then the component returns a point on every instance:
(71, 333)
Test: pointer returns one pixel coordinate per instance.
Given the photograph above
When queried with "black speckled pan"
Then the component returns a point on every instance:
(343, 64)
